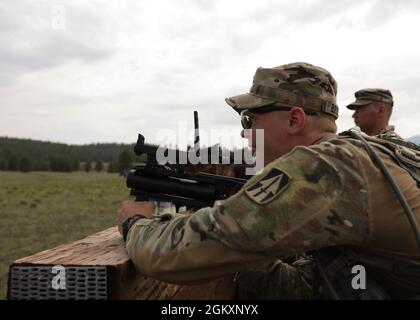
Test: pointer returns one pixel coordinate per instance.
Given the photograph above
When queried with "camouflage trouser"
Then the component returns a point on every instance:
(278, 280)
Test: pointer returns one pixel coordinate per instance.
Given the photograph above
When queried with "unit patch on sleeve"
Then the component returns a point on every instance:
(267, 188)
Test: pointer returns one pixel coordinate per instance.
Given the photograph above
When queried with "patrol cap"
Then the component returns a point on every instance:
(371, 95)
(297, 84)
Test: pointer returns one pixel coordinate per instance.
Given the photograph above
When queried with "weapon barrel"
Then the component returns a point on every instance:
(172, 186)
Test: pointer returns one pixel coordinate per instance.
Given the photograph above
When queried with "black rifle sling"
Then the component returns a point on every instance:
(409, 160)
(403, 201)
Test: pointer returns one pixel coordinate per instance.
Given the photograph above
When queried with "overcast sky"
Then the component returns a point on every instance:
(100, 71)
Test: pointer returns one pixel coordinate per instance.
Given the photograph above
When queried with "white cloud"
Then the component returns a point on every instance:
(125, 67)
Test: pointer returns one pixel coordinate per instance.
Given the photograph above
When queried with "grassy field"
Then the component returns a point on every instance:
(40, 210)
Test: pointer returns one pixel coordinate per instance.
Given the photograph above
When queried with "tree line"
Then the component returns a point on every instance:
(29, 155)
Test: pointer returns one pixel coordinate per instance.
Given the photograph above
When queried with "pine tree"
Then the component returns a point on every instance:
(25, 165)
(111, 167)
(99, 166)
(13, 163)
(125, 161)
(3, 165)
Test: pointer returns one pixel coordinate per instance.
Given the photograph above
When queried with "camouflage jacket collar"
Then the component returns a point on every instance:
(326, 137)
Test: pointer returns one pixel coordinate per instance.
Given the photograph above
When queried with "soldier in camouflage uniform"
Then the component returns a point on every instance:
(372, 111)
(319, 196)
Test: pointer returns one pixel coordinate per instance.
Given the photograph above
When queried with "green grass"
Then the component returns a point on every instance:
(40, 210)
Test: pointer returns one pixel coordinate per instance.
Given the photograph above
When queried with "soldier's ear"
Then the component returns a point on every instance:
(382, 109)
(297, 120)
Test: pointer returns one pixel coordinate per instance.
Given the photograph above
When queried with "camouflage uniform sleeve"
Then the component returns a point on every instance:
(318, 200)
(185, 249)
(278, 280)
(295, 205)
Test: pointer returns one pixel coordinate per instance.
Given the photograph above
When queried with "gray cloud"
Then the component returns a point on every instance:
(28, 41)
(384, 11)
(120, 68)
(301, 12)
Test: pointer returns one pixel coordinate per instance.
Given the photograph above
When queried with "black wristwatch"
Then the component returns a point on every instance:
(128, 223)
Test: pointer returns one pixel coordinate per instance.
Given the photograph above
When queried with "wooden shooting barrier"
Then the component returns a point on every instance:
(31, 277)
(98, 267)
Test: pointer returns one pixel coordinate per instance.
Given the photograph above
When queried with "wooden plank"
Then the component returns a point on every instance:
(102, 249)
(106, 248)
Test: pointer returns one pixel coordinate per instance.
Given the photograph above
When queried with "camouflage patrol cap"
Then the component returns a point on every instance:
(371, 95)
(297, 84)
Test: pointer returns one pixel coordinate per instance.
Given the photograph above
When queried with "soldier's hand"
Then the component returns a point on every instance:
(130, 208)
